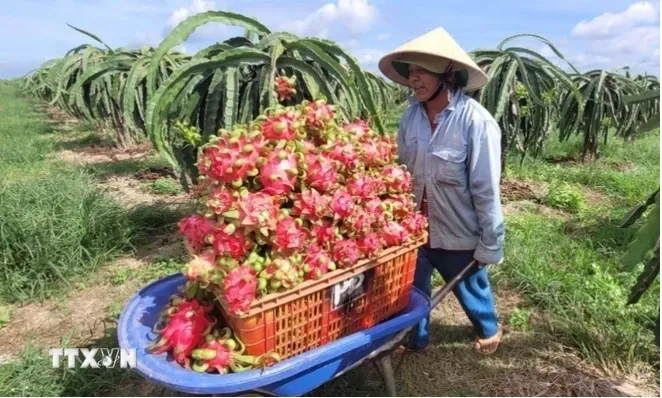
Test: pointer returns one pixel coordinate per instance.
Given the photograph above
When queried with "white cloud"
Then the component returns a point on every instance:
(369, 57)
(383, 36)
(610, 24)
(355, 15)
(196, 7)
(614, 40)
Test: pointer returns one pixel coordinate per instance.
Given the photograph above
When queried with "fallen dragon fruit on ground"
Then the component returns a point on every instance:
(293, 195)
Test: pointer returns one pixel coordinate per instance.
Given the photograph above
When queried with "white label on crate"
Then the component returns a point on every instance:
(345, 291)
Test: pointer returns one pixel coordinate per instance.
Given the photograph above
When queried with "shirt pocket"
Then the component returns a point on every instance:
(449, 165)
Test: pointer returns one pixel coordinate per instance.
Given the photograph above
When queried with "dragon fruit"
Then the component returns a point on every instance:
(239, 288)
(320, 173)
(415, 224)
(281, 124)
(371, 154)
(203, 268)
(184, 330)
(342, 204)
(360, 222)
(289, 236)
(394, 234)
(318, 114)
(255, 211)
(324, 233)
(358, 128)
(196, 228)
(279, 173)
(365, 187)
(345, 153)
(397, 207)
(397, 179)
(231, 157)
(317, 263)
(228, 240)
(311, 205)
(369, 244)
(285, 87)
(219, 200)
(283, 273)
(346, 253)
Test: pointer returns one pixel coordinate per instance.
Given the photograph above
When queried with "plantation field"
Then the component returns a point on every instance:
(84, 224)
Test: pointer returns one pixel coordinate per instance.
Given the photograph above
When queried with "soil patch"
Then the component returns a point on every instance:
(155, 173)
(130, 192)
(514, 190)
(81, 317)
(524, 207)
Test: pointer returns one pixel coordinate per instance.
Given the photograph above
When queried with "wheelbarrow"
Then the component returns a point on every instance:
(294, 376)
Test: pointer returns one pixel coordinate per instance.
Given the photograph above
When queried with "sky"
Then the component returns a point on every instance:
(605, 34)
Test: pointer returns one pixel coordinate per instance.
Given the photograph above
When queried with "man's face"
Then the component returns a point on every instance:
(423, 82)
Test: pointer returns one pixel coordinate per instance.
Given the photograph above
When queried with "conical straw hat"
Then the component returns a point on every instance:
(437, 52)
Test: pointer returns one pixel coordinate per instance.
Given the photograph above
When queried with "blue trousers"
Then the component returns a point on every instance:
(473, 293)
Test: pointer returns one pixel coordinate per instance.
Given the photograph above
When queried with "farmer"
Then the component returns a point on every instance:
(451, 145)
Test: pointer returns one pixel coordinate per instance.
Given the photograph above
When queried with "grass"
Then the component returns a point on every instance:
(55, 225)
(569, 267)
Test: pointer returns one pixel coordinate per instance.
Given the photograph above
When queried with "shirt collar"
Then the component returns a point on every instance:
(454, 100)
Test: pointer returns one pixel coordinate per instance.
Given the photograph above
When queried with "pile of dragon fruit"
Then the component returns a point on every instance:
(292, 196)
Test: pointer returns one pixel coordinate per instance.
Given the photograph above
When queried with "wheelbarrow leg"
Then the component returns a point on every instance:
(385, 369)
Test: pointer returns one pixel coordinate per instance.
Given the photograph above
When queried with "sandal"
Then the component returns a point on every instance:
(488, 346)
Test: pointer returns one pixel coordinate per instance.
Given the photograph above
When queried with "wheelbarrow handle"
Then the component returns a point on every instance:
(450, 285)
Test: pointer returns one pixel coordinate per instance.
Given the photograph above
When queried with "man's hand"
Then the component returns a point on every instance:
(479, 265)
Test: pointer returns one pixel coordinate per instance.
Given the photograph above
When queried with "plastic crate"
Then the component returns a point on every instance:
(317, 312)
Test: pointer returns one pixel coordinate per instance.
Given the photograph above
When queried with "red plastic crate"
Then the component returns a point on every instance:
(305, 317)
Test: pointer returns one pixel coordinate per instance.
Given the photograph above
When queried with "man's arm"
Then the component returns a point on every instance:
(484, 179)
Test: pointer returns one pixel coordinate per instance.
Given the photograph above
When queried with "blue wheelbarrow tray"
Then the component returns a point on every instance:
(295, 376)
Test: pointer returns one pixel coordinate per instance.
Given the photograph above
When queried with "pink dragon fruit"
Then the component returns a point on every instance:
(342, 204)
(321, 173)
(215, 355)
(345, 153)
(387, 150)
(279, 173)
(371, 154)
(285, 87)
(289, 236)
(346, 253)
(196, 228)
(365, 187)
(397, 179)
(202, 268)
(318, 114)
(282, 124)
(310, 205)
(358, 128)
(220, 200)
(324, 233)
(229, 240)
(415, 224)
(369, 244)
(240, 288)
(255, 211)
(317, 263)
(397, 207)
(185, 329)
(394, 234)
(360, 222)
(232, 157)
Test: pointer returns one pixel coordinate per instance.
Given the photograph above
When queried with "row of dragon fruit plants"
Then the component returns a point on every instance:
(140, 94)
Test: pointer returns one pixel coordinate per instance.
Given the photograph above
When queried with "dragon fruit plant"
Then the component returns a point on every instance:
(289, 197)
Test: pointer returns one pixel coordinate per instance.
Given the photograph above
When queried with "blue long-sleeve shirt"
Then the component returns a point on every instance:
(459, 168)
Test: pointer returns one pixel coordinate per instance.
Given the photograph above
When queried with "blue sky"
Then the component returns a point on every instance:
(591, 33)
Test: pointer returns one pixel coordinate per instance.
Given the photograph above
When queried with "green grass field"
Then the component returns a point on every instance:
(59, 232)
